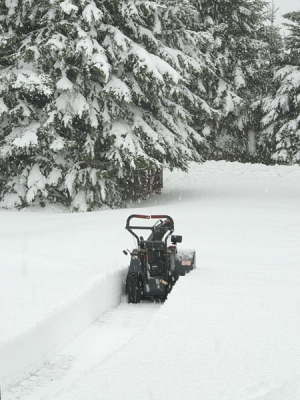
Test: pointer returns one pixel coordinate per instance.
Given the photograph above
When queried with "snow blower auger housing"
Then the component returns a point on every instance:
(155, 264)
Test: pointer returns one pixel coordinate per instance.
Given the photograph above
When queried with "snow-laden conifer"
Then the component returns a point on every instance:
(92, 91)
(281, 136)
(242, 65)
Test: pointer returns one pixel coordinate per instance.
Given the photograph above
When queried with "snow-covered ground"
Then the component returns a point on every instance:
(229, 330)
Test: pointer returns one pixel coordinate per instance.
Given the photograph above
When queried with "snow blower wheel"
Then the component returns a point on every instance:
(134, 284)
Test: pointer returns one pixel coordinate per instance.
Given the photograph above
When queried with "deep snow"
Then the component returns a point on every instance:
(229, 330)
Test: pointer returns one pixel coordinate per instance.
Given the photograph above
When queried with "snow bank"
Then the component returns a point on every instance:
(26, 353)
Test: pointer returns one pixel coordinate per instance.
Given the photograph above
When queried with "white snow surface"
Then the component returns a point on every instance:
(228, 331)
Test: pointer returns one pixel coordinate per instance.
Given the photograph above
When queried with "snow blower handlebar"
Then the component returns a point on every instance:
(168, 227)
(147, 217)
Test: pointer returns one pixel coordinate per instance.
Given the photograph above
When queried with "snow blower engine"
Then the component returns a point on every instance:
(155, 264)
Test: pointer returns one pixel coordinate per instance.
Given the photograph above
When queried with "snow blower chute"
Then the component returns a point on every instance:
(155, 264)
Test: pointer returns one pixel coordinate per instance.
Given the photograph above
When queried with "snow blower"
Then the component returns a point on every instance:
(155, 264)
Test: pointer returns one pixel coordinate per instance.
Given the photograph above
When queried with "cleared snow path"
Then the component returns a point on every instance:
(85, 353)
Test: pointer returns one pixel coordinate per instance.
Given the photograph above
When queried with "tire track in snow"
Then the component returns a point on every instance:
(98, 342)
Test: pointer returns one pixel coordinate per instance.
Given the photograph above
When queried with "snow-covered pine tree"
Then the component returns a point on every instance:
(281, 135)
(242, 64)
(164, 55)
(89, 94)
(271, 56)
(181, 30)
(273, 35)
(52, 72)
